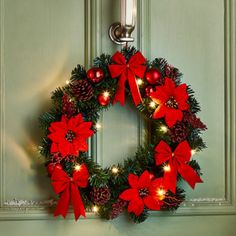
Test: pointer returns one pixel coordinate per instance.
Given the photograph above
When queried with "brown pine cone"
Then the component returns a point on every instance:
(100, 196)
(68, 107)
(117, 209)
(178, 132)
(82, 90)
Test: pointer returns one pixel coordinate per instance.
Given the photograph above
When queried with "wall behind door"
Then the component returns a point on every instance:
(43, 40)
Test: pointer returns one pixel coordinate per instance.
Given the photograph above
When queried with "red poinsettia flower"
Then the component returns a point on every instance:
(69, 135)
(144, 191)
(171, 101)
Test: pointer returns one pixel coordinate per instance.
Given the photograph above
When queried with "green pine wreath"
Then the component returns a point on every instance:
(151, 179)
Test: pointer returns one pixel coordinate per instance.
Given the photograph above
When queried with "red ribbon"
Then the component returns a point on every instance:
(178, 163)
(68, 188)
(133, 68)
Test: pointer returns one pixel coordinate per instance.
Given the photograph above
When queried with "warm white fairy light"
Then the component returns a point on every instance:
(95, 209)
(139, 82)
(152, 104)
(163, 128)
(98, 126)
(166, 168)
(114, 170)
(106, 94)
(161, 193)
(67, 81)
(77, 167)
(193, 151)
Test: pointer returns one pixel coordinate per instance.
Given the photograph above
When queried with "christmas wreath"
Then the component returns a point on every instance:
(151, 180)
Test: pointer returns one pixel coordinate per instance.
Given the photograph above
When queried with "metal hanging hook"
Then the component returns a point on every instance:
(120, 32)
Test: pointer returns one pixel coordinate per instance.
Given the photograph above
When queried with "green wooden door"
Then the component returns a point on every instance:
(41, 42)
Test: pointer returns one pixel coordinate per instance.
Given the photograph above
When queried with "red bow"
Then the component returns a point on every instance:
(133, 68)
(68, 187)
(177, 162)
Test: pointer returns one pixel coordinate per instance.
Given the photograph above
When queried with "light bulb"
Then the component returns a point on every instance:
(161, 193)
(67, 81)
(152, 104)
(166, 168)
(106, 94)
(114, 170)
(139, 81)
(95, 209)
(77, 167)
(98, 126)
(193, 152)
(163, 128)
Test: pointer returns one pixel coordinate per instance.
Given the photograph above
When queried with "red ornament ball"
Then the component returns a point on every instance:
(104, 99)
(52, 166)
(149, 90)
(95, 74)
(153, 76)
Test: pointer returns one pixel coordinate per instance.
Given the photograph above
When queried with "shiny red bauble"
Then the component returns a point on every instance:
(95, 74)
(103, 99)
(153, 76)
(52, 166)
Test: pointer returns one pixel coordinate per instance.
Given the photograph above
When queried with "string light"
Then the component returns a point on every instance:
(164, 129)
(98, 126)
(161, 193)
(106, 94)
(152, 104)
(77, 167)
(114, 170)
(139, 82)
(67, 81)
(193, 151)
(95, 209)
(166, 168)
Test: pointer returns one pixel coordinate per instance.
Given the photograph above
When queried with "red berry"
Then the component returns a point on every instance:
(52, 166)
(95, 74)
(152, 76)
(149, 90)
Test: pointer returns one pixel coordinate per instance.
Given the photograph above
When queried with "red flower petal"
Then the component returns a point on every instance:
(129, 194)
(136, 206)
(54, 148)
(133, 180)
(80, 144)
(144, 180)
(152, 203)
(163, 153)
(57, 136)
(84, 129)
(169, 87)
(58, 126)
(172, 116)
(64, 148)
(159, 112)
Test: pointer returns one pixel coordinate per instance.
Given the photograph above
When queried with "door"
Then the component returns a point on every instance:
(43, 40)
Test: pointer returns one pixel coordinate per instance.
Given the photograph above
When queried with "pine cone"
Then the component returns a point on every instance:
(68, 107)
(178, 133)
(194, 121)
(100, 196)
(82, 90)
(117, 209)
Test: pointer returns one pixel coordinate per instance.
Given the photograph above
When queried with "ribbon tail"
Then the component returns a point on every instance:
(120, 93)
(77, 202)
(63, 204)
(170, 178)
(189, 175)
(134, 88)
